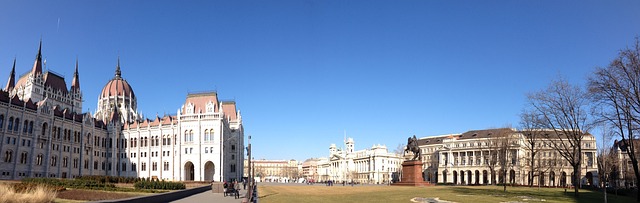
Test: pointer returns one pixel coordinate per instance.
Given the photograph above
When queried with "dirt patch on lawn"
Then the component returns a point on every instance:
(94, 195)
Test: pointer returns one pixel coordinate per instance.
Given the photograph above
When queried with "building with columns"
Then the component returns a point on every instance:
(45, 134)
(375, 165)
(466, 159)
(274, 170)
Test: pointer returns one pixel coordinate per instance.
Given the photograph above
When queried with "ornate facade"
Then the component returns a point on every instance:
(275, 170)
(44, 133)
(465, 159)
(624, 175)
(375, 165)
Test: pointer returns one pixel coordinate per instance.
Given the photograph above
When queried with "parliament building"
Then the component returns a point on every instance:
(44, 133)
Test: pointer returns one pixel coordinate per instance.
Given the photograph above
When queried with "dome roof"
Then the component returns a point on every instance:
(117, 86)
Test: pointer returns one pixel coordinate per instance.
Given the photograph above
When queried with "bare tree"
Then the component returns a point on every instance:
(616, 89)
(533, 134)
(563, 109)
(499, 159)
(490, 150)
(400, 149)
(504, 139)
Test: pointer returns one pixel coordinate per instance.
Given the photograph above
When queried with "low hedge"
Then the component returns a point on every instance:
(70, 183)
(159, 185)
(110, 179)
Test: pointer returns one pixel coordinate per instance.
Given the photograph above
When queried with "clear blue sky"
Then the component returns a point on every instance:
(304, 72)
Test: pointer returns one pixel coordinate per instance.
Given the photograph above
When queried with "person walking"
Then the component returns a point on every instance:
(244, 184)
(237, 190)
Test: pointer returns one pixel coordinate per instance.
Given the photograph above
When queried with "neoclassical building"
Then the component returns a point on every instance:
(274, 170)
(45, 134)
(623, 175)
(375, 165)
(465, 159)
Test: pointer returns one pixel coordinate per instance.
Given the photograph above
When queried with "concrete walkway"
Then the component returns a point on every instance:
(208, 196)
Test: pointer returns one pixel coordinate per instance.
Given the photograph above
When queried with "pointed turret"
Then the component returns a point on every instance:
(115, 115)
(37, 65)
(12, 78)
(75, 83)
(118, 74)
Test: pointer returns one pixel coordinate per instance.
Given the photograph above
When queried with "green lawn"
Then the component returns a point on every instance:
(492, 194)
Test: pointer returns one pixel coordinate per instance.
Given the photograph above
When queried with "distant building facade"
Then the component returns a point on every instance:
(44, 133)
(624, 175)
(464, 159)
(374, 165)
(275, 170)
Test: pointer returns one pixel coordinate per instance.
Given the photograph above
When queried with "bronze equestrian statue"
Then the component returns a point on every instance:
(412, 145)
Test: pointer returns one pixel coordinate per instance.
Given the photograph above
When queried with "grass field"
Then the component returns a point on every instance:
(480, 194)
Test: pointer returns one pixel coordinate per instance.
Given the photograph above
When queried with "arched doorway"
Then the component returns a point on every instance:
(455, 177)
(493, 177)
(563, 179)
(188, 171)
(589, 178)
(462, 180)
(485, 178)
(435, 179)
(541, 183)
(469, 178)
(573, 178)
(552, 178)
(209, 171)
(444, 176)
(512, 176)
(477, 177)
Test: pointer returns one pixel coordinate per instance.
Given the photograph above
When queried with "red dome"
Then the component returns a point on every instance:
(117, 87)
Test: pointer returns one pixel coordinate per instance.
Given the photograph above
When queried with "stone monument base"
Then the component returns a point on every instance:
(412, 174)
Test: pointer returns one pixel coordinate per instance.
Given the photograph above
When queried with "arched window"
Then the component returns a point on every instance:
(8, 155)
(191, 135)
(186, 135)
(39, 160)
(17, 125)
(206, 135)
(10, 126)
(30, 126)
(54, 160)
(211, 135)
(1, 121)
(23, 157)
(157, 141)
(25, 126)
(44, 128)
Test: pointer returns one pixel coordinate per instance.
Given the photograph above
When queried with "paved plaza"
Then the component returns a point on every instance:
(208, 196)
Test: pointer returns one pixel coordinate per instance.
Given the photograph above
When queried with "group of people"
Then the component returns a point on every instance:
(233, 187)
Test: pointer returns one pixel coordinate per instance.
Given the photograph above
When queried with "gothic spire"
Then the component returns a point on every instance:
(37, 65)
(12, 78)
(118, 74)
(75, 83)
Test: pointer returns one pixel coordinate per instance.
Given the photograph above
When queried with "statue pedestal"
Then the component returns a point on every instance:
(412, 174)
